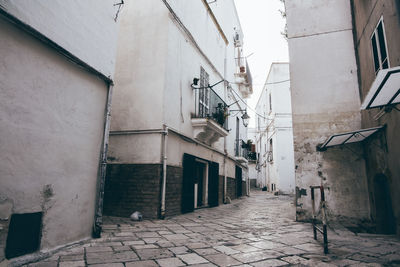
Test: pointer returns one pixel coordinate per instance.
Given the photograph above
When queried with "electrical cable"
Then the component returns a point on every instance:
(244, 102)
(255, 112)
(268, 83)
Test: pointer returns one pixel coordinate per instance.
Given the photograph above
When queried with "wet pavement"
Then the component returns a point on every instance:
(259, 230)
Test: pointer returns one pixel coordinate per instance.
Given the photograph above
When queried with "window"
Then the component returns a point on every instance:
(270, 153)
(379, 47)
(204, 94)
(270, 102)
(270, 144)
(23, 234)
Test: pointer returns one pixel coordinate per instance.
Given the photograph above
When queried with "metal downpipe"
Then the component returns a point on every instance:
(164, 173)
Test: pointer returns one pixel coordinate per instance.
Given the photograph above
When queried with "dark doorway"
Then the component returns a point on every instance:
(200, 182)
(238, 143)
(213, 184)
(24, 234)
(200, 186)
(238, 177)
(385, 221)
(189, 173)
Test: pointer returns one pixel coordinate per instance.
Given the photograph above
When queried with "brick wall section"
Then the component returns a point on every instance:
(132, 187)
(221, 190)
(244, 188)
(173, 196)
(231, 188)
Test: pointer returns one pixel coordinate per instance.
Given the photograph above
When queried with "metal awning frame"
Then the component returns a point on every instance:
(390, 104)
(324, 147)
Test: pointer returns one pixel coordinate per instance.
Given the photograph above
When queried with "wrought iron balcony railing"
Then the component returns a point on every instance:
(210, 105)
(241, 149)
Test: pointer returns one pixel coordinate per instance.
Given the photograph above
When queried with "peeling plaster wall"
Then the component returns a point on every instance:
(325, 101)
(52, 123)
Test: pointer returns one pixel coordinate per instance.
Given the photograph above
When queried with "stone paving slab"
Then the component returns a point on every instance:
(244, 233)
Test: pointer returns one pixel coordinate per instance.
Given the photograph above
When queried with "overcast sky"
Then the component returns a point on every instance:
(262, 25)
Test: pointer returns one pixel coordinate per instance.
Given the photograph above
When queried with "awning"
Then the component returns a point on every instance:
(349, 137)
(385, 90)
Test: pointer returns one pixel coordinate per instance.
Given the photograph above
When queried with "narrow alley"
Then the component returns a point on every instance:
(259, 230)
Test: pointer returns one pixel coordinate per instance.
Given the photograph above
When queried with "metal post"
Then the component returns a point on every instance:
(313, 213)
(325, 230)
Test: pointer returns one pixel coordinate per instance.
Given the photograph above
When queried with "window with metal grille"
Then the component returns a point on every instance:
(379, 47)
(204, 94)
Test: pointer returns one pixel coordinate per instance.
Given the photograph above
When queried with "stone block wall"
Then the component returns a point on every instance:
(244, 188)
(133, 187)
(221, 190)
(173, 196)
(231, 188)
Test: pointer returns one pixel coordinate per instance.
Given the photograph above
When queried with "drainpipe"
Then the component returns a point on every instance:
(98, 216)
(225, 147)
(225, 177)
(164, 163)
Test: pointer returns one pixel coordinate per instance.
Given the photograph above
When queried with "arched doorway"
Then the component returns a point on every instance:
(385, 220)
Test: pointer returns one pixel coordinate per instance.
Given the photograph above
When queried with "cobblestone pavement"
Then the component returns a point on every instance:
(254, 231)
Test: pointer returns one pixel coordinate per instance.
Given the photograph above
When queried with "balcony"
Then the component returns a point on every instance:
(241, 151)
(243, 78)
(210, 122)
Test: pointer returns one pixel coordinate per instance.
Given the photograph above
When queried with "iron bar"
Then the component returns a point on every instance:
(324, 230)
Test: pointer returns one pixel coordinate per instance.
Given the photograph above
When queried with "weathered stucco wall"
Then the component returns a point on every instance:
(52, 117)
(383, 150)
(139, 74)
(84, 28)
(325, 101)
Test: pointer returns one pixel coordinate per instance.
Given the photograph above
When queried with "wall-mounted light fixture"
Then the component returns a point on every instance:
(245, 117)
(196, 82)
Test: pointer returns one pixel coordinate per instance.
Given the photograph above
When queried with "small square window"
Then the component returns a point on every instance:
(24, 234)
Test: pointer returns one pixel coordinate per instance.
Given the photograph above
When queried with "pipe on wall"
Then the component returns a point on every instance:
(98, 215)
(164, 159)
(164, 144)
(225, 139)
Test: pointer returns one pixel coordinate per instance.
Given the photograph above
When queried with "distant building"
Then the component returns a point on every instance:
(177, 127)
(56, 69)
(274, 132)
(252, 158)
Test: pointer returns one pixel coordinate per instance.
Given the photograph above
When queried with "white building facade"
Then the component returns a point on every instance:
(252, 159)
(274, 132)
(172, 140)
(56, 71)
